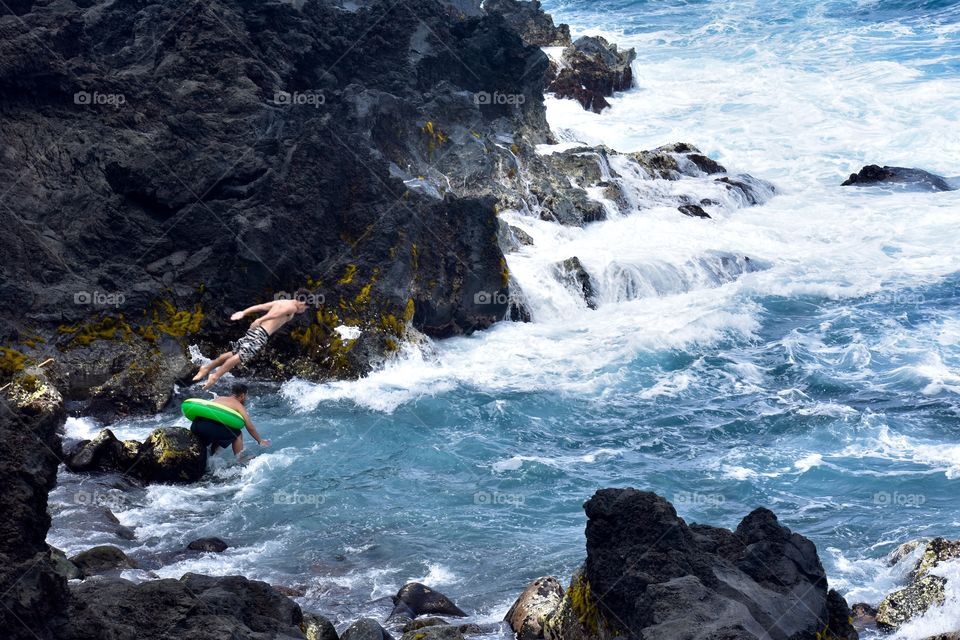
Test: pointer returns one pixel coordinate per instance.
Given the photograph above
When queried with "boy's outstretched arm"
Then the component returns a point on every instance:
(266, 306)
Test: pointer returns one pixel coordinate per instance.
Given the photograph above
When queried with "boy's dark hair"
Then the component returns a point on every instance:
(302, 294)
(238, 389)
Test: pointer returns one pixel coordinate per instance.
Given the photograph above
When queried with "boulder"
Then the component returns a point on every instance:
(103, 453)
(171, 454)
(316, 627)
(102, 559)
(648, 574)
(917, 178)
(541, 598)
(416, 599)
(195, 606)
(591, 69)
(365, 629)
(924, 590)
(209, 545)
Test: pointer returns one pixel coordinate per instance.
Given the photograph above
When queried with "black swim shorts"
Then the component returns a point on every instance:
(251, 343)
(212, 432)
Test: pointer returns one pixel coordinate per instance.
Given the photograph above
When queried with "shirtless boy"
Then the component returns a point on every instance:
(278, 313)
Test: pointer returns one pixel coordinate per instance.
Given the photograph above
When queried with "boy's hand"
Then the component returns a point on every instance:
(237, 315)
(264, 442)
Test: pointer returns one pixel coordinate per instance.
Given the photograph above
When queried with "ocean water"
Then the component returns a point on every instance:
(821, 381)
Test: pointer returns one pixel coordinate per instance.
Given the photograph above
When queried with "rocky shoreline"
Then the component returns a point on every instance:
(169, 163)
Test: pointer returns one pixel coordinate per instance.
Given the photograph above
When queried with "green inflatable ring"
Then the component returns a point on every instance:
(194, 408)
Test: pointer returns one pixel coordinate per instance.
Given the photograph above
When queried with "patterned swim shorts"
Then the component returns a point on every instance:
(250, 344)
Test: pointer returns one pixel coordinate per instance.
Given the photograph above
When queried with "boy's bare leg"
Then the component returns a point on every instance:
(210, 366)
(230, 363)
(238, 445)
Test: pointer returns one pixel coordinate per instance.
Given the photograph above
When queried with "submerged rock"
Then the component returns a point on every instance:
(873, 174)
(693, 211)
(650, 575)
(925, 589)
(102, 559)
(591, 70)
(572, 273)
(415, 599)
(211, 545)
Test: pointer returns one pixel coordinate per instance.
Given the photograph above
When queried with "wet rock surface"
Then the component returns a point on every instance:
(900, 176)
(172, 455)
(650, 575)
(591, 70)
(924, 590)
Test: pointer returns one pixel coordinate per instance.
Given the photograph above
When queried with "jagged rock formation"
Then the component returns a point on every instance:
(530, 21)
(648, 574)
(590, 70)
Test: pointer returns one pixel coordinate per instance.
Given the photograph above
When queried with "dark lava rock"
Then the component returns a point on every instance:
(33, 587)
(366, 629)
(102, 559)
(571, 272)
(592, 69)
(194, 606)
(213, 545)
(415, 599)
(530, 22)
(693, 210)
(650, 575)
(103, 453)
(873, 174)
(171, 454)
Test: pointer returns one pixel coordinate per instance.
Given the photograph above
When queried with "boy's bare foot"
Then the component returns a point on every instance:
(200, 374)
(209, 383)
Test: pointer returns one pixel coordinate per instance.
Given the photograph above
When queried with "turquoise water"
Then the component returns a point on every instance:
(824, 385)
